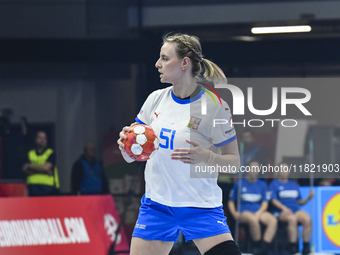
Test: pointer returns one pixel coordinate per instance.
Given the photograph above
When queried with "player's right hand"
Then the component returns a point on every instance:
(122, 136)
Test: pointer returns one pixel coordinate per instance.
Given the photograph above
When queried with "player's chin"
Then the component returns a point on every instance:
(163, 80)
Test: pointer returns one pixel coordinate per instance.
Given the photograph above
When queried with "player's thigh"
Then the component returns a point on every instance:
(302, 217)
(248, 217)
(205, 244)
(287, 217)
(141, 246)
(267, 218)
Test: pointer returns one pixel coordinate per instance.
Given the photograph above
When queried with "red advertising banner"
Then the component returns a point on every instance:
(13, 190)
(59, 225)
(0, 158)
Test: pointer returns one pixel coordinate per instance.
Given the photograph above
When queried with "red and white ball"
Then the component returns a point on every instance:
(141, 143)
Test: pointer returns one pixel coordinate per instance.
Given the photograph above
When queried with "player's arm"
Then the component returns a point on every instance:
(197, 154)
(77, 177)
(305, 201)
(120, 141)
(229, 157)
(232, 209)
(224, 137)
(46, 168)
(26, 168)
(263, 208)
(39, 169)
(266, 195)
(280, 206)
(28, 171)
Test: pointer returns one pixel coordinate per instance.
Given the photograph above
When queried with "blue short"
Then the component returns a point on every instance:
(160, 222)
(277, 212)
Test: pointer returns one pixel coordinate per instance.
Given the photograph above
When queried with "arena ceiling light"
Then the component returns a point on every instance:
(281, 29)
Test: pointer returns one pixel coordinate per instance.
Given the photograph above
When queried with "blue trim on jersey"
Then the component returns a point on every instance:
(226, 141)
(186, 101)
(139, 121)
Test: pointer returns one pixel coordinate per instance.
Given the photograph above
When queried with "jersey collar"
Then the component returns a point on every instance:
(186, 101)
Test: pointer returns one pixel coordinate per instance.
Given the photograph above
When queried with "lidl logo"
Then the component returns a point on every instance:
(331, 219)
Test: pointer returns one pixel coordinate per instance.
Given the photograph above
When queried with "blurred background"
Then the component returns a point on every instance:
(81, 69)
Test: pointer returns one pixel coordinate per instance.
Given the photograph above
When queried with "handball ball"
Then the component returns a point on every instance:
(141, 143)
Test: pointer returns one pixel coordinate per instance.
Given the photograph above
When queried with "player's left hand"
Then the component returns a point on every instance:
(193, 155)
(311, 194)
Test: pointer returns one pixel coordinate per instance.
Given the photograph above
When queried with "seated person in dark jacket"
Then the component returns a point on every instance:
(88, 175)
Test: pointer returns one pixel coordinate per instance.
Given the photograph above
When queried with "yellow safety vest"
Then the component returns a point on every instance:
(43, 179)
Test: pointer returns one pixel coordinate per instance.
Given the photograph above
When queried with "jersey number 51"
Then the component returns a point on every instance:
(168, 136)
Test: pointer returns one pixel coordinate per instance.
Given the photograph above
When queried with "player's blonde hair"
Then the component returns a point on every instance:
(190, 46)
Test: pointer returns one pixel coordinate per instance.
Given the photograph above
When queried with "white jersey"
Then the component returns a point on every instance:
(168, 181)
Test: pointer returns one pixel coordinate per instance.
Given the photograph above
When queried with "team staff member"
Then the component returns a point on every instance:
(88, 175)
(253, 208)
(42, 175)
(287, 200)
(174, 201)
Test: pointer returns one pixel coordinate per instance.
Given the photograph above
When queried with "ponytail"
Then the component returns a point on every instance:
(212, 72)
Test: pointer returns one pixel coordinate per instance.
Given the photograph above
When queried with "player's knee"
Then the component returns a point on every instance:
(227, 247)
(307, 221)
(248, 218)
(273, 222)
(252, 221)
(274, 219)
(292, 220)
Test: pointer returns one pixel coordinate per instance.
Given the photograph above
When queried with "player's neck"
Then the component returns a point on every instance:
(40, 150)
(251, 179)
(184, 88)
(284, 180)
(89, 158)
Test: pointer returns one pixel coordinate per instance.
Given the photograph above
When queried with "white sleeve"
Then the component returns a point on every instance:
(145, 113)
(222, 131)
(143, 117)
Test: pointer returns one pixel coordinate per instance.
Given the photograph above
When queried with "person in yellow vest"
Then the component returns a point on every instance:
(40, 169)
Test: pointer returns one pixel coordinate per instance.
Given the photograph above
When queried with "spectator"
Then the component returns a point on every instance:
(286, 199)
(253, 208)
(251, 151)
(88, 175)
(329, 182)
(40, 169)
